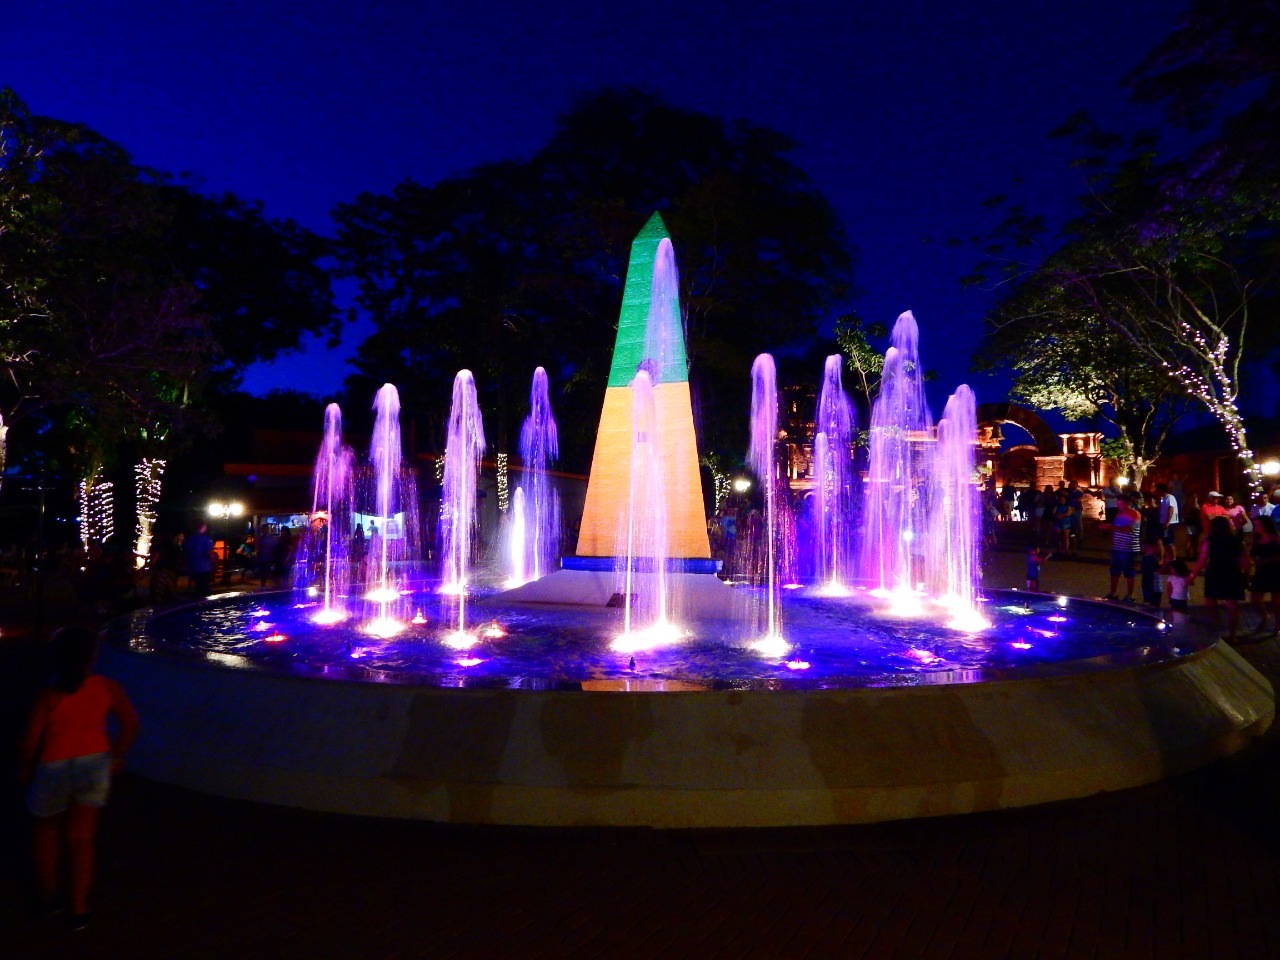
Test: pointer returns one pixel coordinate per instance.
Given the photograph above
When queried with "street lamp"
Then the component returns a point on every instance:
(220, 511)
(1270, 468)
(741, 484)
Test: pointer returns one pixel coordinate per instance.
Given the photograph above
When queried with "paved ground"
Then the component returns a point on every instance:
(1187, 868)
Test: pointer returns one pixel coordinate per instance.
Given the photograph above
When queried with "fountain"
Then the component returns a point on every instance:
(833, 482)
(458, 499)
(761, 458)
(872, 711)
(323, 561)
(535, 532)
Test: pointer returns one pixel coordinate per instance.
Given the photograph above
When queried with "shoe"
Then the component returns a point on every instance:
(1111, 596)
(78, 921)
(1129, 600)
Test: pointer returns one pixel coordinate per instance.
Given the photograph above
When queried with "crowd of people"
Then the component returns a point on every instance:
(1163, 541)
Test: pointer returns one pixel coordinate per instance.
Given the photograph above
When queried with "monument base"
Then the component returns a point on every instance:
(699, 594)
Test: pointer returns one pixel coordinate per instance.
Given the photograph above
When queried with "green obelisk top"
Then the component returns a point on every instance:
(649, 329)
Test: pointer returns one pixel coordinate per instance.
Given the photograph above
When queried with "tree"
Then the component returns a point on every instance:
(1067, 360)
(125, 295)
(1168, 263)
(98, 339)
(520, 263)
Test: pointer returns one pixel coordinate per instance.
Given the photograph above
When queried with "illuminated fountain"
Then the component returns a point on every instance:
(323, 556)
(833, 482)
(761, 458)
(900, 466)
(458, 499)
(534, 546)
(861, 713)
(951, 546)
(392, 526)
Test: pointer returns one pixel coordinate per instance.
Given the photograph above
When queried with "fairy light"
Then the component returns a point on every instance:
(147, 475)
(97, 509)
(503, 483)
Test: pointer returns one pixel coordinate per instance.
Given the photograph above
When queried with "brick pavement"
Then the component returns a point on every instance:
(1186, 868)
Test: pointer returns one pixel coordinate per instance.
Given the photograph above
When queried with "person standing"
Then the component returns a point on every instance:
(1225, 566)
(1212, 508)
(1191, 523)
(1168, 520)
(199, 552)
(1110, 501)
(1062, 523)
(1238, 516)
(1075, 497)
(68, 761)
(1266, 572)
(1126, 532)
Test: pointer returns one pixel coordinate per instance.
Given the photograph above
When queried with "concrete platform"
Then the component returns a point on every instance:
(687, 759)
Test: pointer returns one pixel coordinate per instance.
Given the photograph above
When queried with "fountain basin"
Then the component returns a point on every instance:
(654, 750)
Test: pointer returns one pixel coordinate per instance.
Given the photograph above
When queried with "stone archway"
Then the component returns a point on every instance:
(1049, 459)
(1047, 442)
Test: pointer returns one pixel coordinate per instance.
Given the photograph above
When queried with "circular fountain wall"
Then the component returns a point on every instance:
(866, 718)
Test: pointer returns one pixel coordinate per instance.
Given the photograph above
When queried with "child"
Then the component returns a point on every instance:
(1035, 557)
(68, 759)
(1151, 586)
(1175, 582)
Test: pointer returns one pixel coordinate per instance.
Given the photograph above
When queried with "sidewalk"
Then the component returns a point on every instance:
(1185, 868)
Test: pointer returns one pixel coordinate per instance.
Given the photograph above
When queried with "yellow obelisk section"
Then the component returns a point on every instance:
(609, 487)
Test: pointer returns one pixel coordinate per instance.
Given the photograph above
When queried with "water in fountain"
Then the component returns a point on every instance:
(539, 447)
(900, 464)
(642, 537)
(517, 559)
(463, 450)
(392, 524)
(761, 459)
(833, 481)
(952, 536)
(323, 556)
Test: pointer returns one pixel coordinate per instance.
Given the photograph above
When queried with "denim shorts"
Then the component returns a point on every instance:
(1123, 563)
(85, 781)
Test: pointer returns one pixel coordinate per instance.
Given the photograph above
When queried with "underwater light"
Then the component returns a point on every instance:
(1020, 645)
(313, 591)
(460, 640)
(453, 589)
(418, 618)
(275, 638)
(493, 631)
(383, 595)
(263, 626)
(468, 661)
(328, 617)
(772, 646)
(384, 627)
(1059, 619)
(968, 621)
(924, 656)
(797, 664)
(661, 634)
(833, 588)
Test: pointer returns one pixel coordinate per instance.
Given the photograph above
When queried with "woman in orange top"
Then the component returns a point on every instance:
(68, 759)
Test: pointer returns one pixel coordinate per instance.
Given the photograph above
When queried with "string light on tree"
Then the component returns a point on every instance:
(147, 475)
(97, 509)
(504, 492)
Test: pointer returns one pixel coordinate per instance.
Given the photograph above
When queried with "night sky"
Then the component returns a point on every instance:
(907, 114)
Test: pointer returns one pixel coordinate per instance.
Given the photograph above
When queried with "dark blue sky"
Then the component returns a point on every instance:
(907, 114)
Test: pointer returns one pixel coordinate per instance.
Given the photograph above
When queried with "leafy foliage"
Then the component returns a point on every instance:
(519, 264)
(123, 293)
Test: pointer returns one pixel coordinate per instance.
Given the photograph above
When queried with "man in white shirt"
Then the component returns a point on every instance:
(1168, 520)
